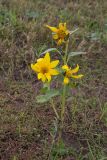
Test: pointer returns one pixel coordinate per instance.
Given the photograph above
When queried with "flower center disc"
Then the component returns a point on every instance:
(61, 34)
(44, 70)
(68, 74)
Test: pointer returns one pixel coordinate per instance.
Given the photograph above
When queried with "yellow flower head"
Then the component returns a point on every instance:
(70, 73)
(60, 34)
(45, 68)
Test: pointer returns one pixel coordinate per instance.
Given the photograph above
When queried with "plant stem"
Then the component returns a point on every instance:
(52, 103)
(50, 152)
(63, 97)
(66, 51)
(53, 106)
(63, 104)
(64, 88)
(62, 115)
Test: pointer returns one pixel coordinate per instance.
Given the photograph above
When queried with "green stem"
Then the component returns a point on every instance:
(63, 97)
(50, 152)
(63, 105)
(53, 106)
(52, 103)
(66, 51)
(64, 88)
(62, 115)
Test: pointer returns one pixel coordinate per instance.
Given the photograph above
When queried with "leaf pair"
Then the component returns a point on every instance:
(45, 98)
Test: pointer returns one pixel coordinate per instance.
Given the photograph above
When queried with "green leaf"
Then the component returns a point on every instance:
(71, 32)
(42, 99)
(51, 50)
(72, 54)
(45, 98)
(44, 90)
(60, 149)
(53, 93)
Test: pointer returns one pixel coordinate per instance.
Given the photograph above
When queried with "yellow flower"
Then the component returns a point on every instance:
(70, 73)
(45, 68)
(60, 34)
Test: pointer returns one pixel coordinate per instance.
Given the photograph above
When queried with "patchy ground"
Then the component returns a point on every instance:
(25, 126)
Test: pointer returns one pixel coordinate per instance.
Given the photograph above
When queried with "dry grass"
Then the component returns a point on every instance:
(26, 127)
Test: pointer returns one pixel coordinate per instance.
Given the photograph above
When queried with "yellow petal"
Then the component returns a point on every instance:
(77, 76)
(47, 58)
(53, 29)
(40, 75)
(65, 67)
(66, 80)
(48, 76)
(61, 26)
(60, 41)
(54, 72)
(55, 36)
(75, 70)
(35, 67)
(66, 32)
(65, 25)
(54, 63)
(43, 78)
(39, 60)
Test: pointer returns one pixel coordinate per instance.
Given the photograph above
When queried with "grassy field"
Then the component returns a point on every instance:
(25, 126)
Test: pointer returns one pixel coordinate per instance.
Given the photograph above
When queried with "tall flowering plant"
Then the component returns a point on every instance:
(47, 69)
